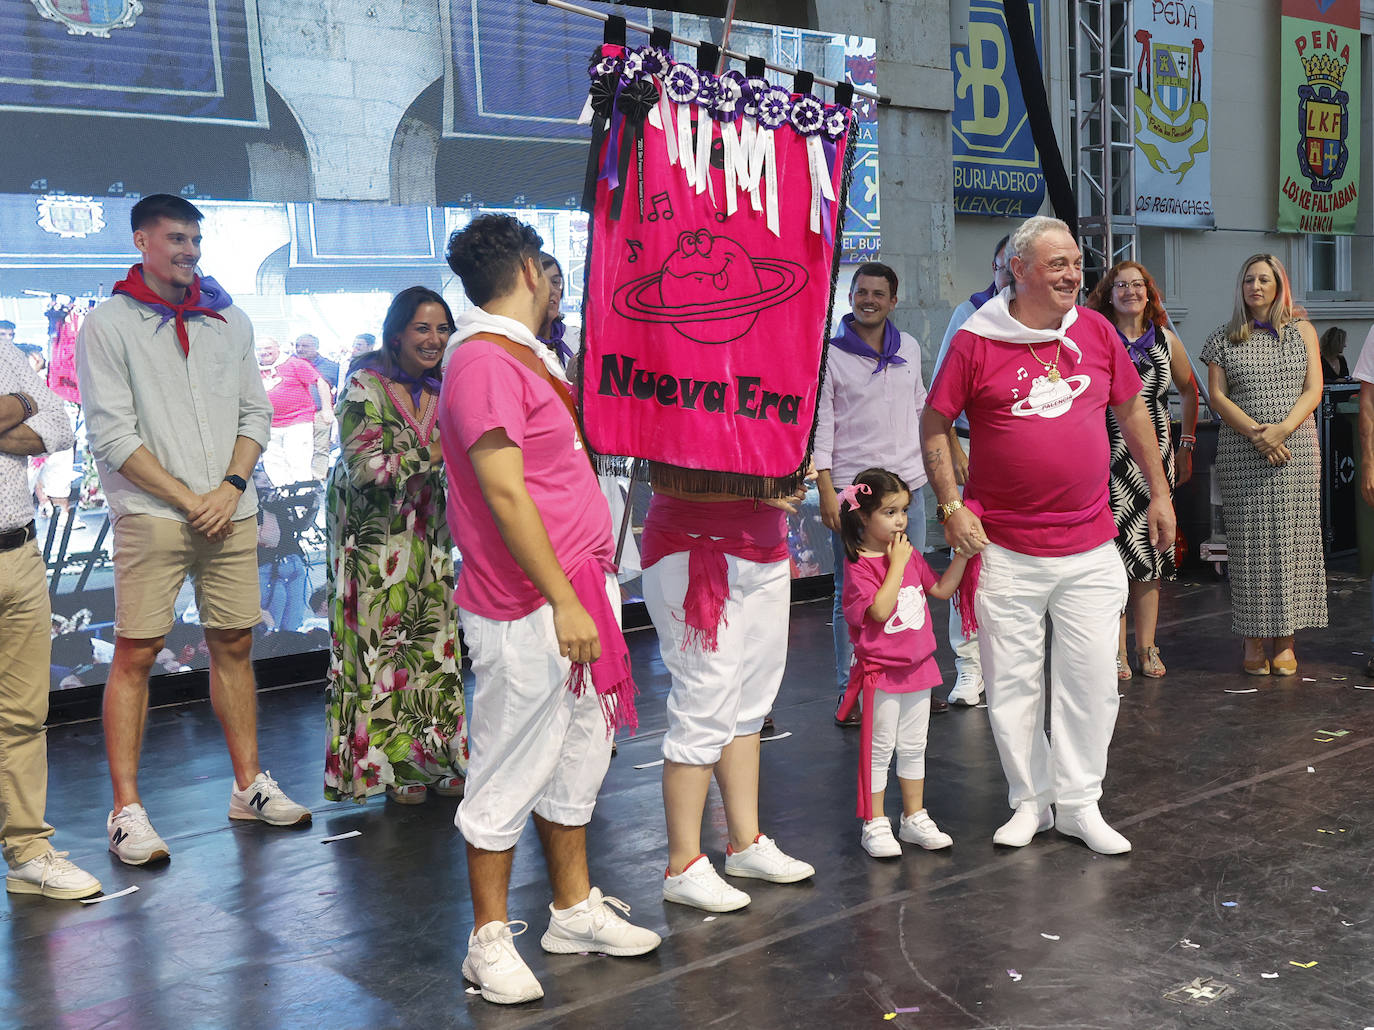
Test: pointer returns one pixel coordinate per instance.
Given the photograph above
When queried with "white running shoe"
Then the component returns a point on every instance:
(263, 799)
(700, 886)
(968, 686)
(594, 925)
(877, 838)
(764, 860)
(52, 876)
(132, 837)
(495, 966)
(919, 828)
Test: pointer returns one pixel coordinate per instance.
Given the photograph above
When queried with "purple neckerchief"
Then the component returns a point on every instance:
(555, 341)
(982, 296)
(1138, 349)
(1265, 325)
(851, 343)
(415, 385)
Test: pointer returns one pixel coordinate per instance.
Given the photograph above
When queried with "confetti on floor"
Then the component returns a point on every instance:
(1229, 904)
(775, 736)
(109, 897)
(1335, 733)
(1015, 976)
(1050, 936)
(1303, 965)
(1270, 976)
(1320, 890)
(341, 836)
(649, 765)
(1310, 769)
(1189, 944)
(1248, 690)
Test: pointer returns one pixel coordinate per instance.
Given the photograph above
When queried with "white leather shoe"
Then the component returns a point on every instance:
(1086, 823)
(1028, 820)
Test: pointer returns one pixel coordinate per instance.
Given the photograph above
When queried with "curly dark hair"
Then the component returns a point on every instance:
(488, 254)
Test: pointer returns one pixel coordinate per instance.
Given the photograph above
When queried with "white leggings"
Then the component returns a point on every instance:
(900, 722)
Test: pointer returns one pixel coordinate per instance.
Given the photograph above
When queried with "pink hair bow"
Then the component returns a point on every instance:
(850, 494)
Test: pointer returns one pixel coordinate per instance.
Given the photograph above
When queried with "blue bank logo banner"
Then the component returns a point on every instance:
(996, 167)
(186, 61)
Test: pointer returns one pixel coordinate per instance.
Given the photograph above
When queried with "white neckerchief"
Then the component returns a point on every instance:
(994, 321)
(476, 321)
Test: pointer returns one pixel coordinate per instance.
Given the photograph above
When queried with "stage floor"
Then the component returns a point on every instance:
(1246, 902)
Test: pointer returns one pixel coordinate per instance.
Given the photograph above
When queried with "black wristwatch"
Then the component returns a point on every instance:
(237, 482)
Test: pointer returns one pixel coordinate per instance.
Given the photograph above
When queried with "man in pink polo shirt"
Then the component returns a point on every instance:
(287, 381)
(1035, 374)
(536, 597)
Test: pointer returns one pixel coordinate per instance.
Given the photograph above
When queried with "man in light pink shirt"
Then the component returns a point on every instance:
(532, 525)
(1035, 374)
(869, 415)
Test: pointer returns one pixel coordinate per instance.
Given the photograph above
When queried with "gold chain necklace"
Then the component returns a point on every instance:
(1051, 368)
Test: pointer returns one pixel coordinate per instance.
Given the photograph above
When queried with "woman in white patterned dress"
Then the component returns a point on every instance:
(1264, 375)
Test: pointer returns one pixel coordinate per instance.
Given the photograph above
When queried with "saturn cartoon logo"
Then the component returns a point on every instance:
(910, 612)
(710, 290)
(1050, 400)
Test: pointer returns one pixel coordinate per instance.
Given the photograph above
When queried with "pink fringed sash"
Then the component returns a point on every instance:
(610, 674)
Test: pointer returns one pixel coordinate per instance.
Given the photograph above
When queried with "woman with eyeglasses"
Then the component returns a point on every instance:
(1264, 377)
(1128, 297)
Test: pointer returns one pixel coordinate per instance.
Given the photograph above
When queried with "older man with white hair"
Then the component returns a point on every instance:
(1035, 374)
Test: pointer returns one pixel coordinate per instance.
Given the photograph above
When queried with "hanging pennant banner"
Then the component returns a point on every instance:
(1173, 92)
(717, 207)
(996, 166)
(1319, 138)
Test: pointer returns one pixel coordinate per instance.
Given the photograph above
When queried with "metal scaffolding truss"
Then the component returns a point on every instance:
(1104, 137)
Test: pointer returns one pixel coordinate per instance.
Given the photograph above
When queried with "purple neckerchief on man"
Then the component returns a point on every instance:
(852, 343)
(983, 296)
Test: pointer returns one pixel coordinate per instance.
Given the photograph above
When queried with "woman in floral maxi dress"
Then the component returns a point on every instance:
(395, 695)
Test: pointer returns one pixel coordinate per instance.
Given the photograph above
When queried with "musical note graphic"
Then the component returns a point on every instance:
(720, 216)
(660, 204)
(635, 247)
(1015, 394)
(1021, 373)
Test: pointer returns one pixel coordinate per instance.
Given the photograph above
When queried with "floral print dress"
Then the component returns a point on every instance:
(395, 694)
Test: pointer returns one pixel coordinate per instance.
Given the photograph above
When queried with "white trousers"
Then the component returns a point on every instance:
(900, 723)
(719, 695)
(532, 745)
(1083, 595)
(289, 452)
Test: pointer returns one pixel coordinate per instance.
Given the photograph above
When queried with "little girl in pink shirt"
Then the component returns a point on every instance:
(885, 589)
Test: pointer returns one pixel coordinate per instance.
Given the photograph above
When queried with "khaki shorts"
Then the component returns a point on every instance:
(152, 558)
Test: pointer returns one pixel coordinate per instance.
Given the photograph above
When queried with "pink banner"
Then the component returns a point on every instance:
(708, 296)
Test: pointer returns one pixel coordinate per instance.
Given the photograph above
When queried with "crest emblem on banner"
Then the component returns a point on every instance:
(1170, 117)
(91, 17)
(72, 218)
(1323, 121)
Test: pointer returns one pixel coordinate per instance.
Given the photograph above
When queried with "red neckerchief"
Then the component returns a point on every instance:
(134, 286)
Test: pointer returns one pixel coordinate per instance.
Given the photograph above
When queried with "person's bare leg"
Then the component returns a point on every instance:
(489, 883)
(565, 857)
(1145, 598)
(124, 710)
(737, 774)
(1255, 649)
(1121, 647)
(879, 800)
(913, 796)
(233, 695)
(684, 803)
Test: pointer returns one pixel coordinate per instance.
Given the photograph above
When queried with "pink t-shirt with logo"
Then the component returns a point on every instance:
(1039, 456)
(484, 389)
(288, 388)
(904, 645)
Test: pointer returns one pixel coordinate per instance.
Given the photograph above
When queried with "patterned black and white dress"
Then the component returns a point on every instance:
(1272, 513)
(1130, 493)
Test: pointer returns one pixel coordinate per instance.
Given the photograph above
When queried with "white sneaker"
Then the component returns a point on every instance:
(919, 828)
(495, 966)
(700, 886)
(132, 837)
(1086, 823)
(877, 838)
(763, 860)
(1028, 820)
(51, 875)
(594, 926)
(968, 686)
(263, 799)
